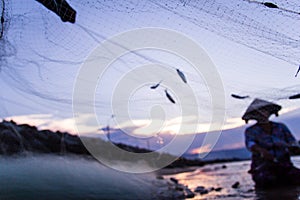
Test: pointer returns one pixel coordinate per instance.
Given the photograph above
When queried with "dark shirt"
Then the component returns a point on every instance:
(280, 135)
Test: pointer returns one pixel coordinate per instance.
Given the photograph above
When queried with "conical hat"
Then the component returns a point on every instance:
(256, 105)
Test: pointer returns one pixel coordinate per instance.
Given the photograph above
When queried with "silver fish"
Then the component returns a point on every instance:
(297, 71)
(296, 96)
(182, 76)
(169, 97)
(270, 5)
(239, 97)
(155, 86)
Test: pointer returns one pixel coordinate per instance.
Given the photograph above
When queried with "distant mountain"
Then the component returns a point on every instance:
(228, 139)
(241, 153)
(230, 144)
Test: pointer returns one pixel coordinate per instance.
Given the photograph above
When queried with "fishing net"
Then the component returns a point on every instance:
(254, 46)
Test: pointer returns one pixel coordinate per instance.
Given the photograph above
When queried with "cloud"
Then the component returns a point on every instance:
(137, 128)
(48, 121)
(202, 149)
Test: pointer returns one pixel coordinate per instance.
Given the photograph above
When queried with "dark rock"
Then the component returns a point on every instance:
(199, 189)
(18, 138)
(10, 142)
(179, 187)
(218, 189)
(73, 144)
(236, 185)
(224, 166)
(188, 193)
(54, 142)
(38, 146)
(176, 195)
(202, 190)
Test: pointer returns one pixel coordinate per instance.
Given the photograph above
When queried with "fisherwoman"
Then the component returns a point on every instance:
(270, 143)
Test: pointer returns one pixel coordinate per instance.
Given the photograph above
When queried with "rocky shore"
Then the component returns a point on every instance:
(15, 139)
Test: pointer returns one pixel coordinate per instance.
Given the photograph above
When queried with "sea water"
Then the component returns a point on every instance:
(225, 175)
(68, 177)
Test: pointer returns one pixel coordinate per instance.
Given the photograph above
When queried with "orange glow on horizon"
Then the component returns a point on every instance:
(199, 150)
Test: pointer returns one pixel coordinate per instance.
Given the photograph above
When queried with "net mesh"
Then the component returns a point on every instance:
(40, 55)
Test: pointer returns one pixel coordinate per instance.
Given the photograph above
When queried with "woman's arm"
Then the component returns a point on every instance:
(253, 146)
(263, 152)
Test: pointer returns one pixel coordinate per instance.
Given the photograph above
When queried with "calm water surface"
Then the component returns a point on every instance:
(216, 175)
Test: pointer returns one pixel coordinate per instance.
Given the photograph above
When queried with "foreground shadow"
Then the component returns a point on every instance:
(286, 192)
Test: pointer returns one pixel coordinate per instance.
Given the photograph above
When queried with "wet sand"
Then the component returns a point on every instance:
(171, 171)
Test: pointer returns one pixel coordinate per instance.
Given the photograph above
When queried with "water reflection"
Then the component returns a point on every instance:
(220, 176)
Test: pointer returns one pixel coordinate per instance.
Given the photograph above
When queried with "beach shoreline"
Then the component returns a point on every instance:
(177, 170)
